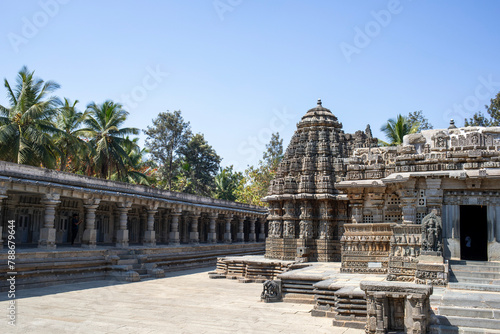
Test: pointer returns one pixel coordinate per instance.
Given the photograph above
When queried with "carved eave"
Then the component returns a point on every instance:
(274, 198)
(360, 183)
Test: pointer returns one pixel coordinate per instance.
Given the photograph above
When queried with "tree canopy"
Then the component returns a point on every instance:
(396, 129)
(493, 110)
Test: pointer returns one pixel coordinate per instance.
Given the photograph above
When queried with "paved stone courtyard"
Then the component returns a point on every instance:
(182, 302)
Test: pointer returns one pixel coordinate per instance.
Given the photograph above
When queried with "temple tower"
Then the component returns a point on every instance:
(306, 211)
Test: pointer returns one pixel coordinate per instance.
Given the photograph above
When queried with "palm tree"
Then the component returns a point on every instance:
(70, 143)
(26, 125)
(226, 183)
(108, 139)
(137, 166)
(395, 130)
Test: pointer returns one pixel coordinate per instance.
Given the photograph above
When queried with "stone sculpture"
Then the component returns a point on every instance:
(271, 291)
(432, 234)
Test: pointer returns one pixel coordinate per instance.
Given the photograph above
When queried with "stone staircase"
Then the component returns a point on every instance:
(132, 267)
(471, 304)
(475, 275)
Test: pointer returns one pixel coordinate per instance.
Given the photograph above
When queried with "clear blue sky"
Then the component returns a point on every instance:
(240, 69)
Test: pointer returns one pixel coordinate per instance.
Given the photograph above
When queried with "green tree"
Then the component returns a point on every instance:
(26, 125)
(104, 123)
(226, 183)
(137, 166)
(274, 151)
(200, 164)
(478, 119)
(396, 129)
(417, 117)
(167, 135)
(73, 149)
(255, 184)
(493, 110)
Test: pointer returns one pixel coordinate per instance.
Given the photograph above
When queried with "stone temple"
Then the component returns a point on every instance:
(339, 196)
(306, 210)
(368, 233)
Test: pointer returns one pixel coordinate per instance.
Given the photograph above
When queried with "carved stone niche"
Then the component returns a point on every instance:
(395, 306)
(440, 140)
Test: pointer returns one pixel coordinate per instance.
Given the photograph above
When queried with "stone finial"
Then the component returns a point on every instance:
(452, 124)
(319, 102)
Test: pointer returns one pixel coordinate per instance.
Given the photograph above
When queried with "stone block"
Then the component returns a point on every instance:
(47, 238)
(240, 237)
(122, 238)
(174, 238)
(149, 238)
(194, 237)
(89, 238)
(212, 237)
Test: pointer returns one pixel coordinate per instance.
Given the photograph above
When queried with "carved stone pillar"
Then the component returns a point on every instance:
(227, 235)
(194, 235)
(306, 224)
(48, 232)
(165, 228)
(240, 236)
(325, 223)
(150, 234)
(174, 234)
(89, 238)
(357, 213)
(262, 233)
(434, 195)
(212, 235)
(122, 232)
(408, 209)
(289, 219)
(252, 235)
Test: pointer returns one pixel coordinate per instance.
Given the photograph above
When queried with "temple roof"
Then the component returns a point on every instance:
(319, 115)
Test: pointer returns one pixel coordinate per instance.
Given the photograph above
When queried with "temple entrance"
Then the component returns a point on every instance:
(473, 233)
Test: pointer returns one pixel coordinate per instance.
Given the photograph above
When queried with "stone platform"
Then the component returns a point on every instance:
(251, 268)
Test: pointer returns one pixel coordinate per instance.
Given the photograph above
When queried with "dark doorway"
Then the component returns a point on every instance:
(473, 233)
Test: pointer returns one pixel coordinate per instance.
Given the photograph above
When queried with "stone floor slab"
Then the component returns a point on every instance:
(182, 302)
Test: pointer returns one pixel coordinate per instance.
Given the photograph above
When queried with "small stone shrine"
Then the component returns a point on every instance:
(396, 307)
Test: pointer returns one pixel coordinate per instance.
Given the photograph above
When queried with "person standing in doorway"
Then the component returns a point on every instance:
(75, 222)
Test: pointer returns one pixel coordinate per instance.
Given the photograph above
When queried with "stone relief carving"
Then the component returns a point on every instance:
(432, 233)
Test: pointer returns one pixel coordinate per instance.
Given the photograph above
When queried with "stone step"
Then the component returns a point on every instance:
(475, 280)
(474, 268)
(467, 299)
(436, 329)
(483, 313)
(474, 286)
(473, 263)
(127, 262)
(465, 322)
(475, 274)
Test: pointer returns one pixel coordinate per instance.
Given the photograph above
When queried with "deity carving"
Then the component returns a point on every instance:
(432, 233)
